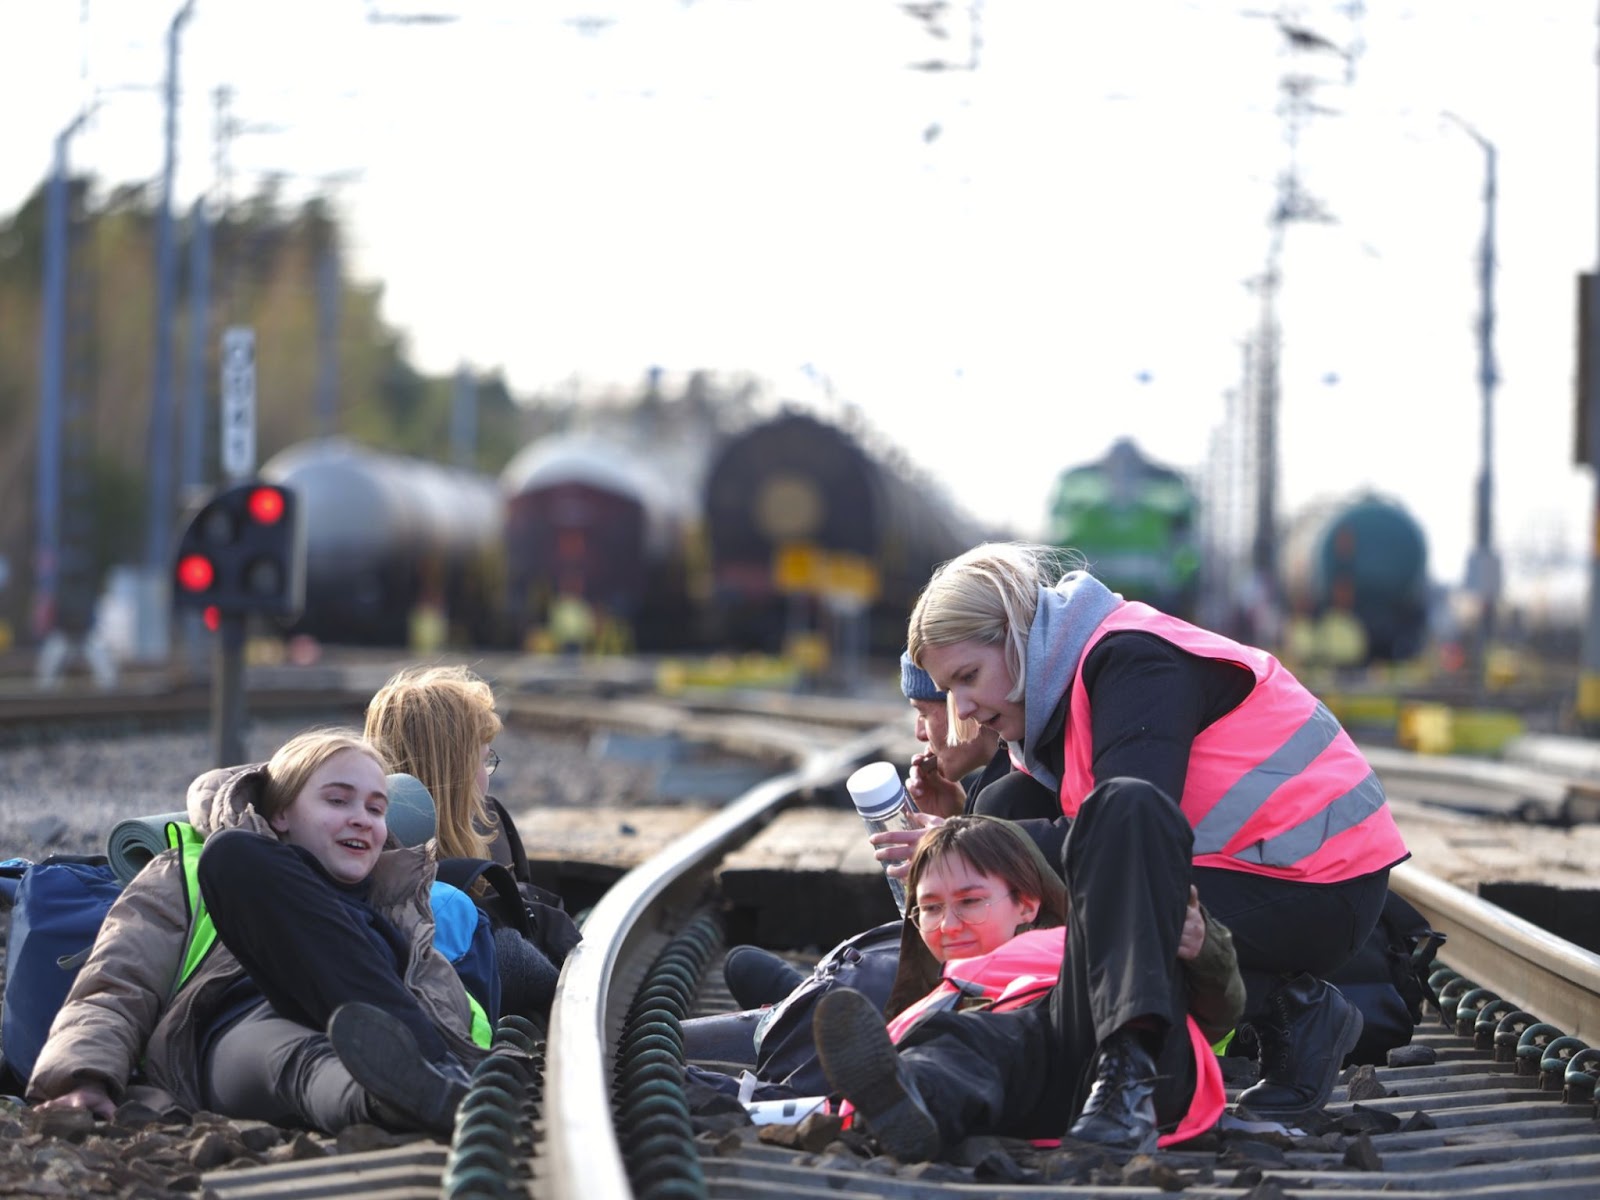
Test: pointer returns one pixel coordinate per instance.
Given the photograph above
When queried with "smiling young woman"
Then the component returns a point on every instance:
(309, 987)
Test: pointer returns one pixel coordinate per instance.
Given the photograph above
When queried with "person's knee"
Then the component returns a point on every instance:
(232, 857)
(1130, 800)
(1128, 807)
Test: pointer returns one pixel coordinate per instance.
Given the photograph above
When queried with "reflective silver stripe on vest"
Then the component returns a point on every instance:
(1245, 798)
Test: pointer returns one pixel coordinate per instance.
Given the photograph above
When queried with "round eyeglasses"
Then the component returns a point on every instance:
(969, 910)
(491, 760)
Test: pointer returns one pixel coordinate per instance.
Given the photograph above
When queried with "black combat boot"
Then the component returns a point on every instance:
(1307, 1029)
(1120, 1113)
(862, 1063)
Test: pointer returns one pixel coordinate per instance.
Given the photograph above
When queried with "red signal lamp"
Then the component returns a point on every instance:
(196, 573)
(212, 616)
(265, 506)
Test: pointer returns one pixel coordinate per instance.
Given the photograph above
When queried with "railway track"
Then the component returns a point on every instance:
(1506, 1107)
(1501, 1111)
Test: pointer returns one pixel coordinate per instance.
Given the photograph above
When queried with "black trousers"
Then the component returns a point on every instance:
(1027, 1073)
(1281, 928)
(301, 942)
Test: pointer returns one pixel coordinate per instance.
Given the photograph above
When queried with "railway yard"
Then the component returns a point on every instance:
(677, 826)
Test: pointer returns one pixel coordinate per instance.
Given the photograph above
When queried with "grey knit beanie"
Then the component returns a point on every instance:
(916, 683)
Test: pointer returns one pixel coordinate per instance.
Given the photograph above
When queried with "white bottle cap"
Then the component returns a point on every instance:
(875, 789)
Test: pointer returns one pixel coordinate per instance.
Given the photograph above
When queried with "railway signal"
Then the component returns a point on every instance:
(242, 553)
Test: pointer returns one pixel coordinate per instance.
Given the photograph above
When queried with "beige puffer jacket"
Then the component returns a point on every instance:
(121, 1009)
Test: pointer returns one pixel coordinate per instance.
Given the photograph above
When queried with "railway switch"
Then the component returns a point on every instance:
(243, 552)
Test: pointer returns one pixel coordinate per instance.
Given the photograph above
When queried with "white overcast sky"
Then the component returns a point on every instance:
(1005, 268)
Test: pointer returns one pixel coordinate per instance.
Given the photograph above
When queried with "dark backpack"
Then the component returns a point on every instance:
(533, 912)
(57, 907)
(786, 1055)
(1387, 980)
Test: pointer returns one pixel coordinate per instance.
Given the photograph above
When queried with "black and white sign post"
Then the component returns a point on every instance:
(237, 449)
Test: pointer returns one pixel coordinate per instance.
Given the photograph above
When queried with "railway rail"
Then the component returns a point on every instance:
(1506, 1108)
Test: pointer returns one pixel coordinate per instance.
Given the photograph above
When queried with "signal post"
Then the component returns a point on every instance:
(242, 551)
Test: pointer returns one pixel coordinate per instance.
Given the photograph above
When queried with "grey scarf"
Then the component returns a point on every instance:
(1067, 616)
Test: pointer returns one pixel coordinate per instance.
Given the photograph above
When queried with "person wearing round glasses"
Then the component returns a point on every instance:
(989, 918)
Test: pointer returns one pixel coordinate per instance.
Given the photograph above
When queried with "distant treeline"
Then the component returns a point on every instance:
(265, 260)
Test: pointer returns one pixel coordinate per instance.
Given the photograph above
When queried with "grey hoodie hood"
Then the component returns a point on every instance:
(1067, 616)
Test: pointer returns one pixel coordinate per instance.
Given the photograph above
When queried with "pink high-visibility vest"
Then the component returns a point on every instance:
(1022, 972)
(1276, 787)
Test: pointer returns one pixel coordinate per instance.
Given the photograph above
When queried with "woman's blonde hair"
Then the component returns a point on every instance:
(997, 848)
(298, 759)
(434, 722)
(987, 595)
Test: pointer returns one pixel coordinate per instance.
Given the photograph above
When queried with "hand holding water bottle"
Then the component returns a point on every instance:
(887, 811)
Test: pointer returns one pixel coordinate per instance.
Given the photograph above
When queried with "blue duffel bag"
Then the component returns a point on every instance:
(57, 907)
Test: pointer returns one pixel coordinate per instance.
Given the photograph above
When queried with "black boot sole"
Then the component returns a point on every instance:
(860, 1061)
(382, 1056)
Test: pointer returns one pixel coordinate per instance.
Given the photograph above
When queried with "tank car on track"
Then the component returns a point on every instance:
(1136, 523)
(1364, 555)
(808, 533)
(386, 535)
(588, 516)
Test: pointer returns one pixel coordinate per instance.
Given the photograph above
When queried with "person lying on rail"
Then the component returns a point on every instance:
(985, 929)
(279, 964)
(1182, 758)
(439, 724)
(989, 916)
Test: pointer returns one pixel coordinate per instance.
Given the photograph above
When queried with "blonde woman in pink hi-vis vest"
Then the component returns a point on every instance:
(1181, 758)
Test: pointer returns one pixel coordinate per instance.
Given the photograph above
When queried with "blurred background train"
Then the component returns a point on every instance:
(1137, 525)
(1353, 570)
(789, 535)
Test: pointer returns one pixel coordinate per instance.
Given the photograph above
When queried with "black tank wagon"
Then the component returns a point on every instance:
(804, 527)
(387, 535)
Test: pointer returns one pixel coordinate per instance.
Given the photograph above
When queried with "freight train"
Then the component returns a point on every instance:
(701, 542)
(1136, 523)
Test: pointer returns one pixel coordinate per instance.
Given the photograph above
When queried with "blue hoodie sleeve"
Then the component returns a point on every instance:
(462, 933)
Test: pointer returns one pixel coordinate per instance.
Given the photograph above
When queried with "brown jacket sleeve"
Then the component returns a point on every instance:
(1216, 989)
(101, 1030)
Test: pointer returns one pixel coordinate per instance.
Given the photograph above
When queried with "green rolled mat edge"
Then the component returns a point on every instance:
(135, 841)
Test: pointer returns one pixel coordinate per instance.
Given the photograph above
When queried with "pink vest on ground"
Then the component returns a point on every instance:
(1276, 787)
(1023, 971)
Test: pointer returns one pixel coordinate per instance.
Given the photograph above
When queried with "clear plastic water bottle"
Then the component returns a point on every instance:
(883, 802)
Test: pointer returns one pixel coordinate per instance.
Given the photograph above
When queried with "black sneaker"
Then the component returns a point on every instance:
(862, 1063)
(406, 1090)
